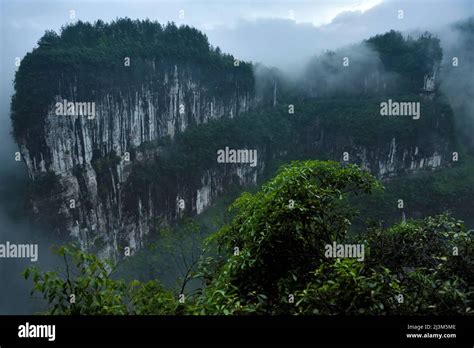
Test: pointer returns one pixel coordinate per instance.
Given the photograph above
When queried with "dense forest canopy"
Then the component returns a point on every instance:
(269, 258)
(91, 57)
(412, 58)
(386, 64)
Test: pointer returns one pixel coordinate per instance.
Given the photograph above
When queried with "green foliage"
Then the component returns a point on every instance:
(427, 293)
(87, 288)
(419, 243)
(192, 152)
(86, 278)
(414, 260)
(170, 257)
(349, 287)
(274, 130)
(424, 194)
(44, 184)
(106, 172)
(434, 259)
(45, 190)
(279, 136)
(90, 56)
(411, 58)
(386, 64)
(360, 120)
(151, 298)
(281, 231)
(273, 249)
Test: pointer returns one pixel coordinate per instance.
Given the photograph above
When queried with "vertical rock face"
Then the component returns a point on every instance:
(127, 119)
(90, 156)
(99, 204)
(105, 179)
(391, 157)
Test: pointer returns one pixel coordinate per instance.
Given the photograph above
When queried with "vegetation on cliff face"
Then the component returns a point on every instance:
(424, 194)
(270, 259)
(345, 122)
(279, 136)
(91, 58)
(411, 58)
(386, 64)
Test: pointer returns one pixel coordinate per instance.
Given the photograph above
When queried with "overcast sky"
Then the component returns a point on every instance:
(280, 32)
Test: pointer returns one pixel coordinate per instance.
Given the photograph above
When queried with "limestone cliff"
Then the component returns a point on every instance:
(110, 179)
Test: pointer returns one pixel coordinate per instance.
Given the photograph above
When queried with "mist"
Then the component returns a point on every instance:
(15, 226)
(265, 32)
(289, 45)
(326, 74)
(457, 77)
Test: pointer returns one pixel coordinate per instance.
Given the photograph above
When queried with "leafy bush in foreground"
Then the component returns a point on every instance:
(270, 259)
